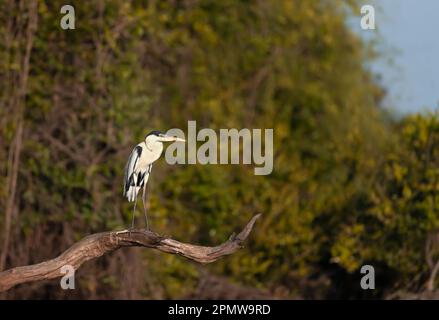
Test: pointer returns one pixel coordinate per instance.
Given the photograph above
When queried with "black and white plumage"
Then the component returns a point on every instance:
(139, 165)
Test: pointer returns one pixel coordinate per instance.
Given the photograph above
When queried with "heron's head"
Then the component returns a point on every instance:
(157, 136)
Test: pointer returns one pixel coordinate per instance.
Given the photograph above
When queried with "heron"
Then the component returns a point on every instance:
(139, 165)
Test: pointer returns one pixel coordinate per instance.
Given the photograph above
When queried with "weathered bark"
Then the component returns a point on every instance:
(96, 245)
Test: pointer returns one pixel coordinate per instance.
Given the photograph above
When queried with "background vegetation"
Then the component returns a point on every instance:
(351, 185)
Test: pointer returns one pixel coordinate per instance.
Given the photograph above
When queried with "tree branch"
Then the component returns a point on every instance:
(96, 245)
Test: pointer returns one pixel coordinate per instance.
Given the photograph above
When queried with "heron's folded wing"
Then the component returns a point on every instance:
(130, 167)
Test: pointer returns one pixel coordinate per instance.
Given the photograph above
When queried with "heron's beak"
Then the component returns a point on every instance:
(166, 138)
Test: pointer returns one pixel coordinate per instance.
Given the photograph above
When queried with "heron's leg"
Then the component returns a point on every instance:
(144, 206)
(134, 213)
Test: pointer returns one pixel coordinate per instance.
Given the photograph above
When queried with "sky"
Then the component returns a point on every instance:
(407, 36)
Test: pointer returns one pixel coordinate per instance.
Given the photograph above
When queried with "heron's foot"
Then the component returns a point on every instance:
(130, 230)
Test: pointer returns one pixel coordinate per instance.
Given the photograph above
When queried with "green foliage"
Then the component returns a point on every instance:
(406, 199)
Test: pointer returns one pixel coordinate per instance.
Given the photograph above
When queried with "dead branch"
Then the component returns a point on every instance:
(431, 252)
(96, 245)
